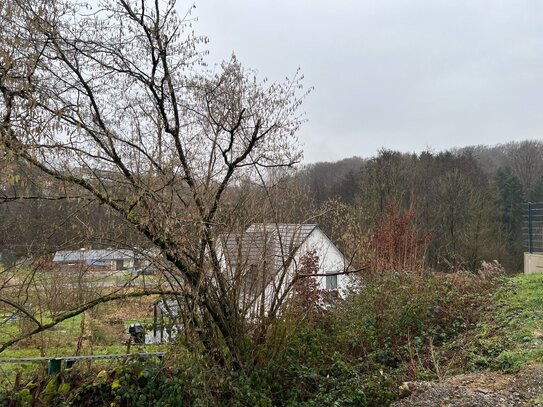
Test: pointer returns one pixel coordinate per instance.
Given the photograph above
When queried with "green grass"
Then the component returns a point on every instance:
(62, 341)
(510, 334)
(64, 332)
(40, 277)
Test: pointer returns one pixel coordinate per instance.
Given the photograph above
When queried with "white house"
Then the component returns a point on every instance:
(265, 259)
(260, 264)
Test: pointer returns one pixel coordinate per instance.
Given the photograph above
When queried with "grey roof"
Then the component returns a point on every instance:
(265, 243)
(289, 235)
(64, 256)
(248, 248)
(258, 254)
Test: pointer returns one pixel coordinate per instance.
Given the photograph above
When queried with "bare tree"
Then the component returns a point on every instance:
(526, 161)
(115, 105)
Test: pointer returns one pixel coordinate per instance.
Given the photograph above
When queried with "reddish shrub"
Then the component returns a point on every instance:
(397, 244)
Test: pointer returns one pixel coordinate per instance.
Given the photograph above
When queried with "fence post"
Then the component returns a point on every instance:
(54, 366)
(530, 230)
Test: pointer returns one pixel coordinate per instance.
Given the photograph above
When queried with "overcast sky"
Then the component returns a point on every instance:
(401, 74)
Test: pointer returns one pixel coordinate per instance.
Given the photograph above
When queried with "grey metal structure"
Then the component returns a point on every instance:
(95, 255)
(532, 231)
(55, 364)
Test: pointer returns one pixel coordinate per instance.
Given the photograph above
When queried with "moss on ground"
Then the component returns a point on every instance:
(510, 332)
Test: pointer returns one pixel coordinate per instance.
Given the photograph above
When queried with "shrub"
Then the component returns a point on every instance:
(355, 353)
(396, 243)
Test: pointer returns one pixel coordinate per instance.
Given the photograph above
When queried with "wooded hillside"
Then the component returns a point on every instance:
(470, 199)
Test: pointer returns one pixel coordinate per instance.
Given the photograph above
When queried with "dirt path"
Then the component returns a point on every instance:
(478, 389)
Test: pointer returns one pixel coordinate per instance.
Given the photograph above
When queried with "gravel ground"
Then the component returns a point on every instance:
(478, 390)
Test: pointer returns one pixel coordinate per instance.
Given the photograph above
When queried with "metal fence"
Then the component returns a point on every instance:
(532, 231)
(55, 364)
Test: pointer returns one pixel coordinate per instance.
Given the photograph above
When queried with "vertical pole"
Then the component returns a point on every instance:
(161, 326)
(530, 229)
(154, 320)
(54, 366)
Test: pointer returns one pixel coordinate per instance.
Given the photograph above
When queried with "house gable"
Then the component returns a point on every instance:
(331, 260)
(266, 257)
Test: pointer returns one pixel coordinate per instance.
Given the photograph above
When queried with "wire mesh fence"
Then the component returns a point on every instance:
(532, 230)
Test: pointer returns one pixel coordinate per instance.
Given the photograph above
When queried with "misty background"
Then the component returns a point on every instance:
(408, 76)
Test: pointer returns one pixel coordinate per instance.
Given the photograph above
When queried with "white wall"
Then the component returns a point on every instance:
(331, 260)
(533, 263)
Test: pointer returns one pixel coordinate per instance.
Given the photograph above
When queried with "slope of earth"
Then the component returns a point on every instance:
(491, 389)
(501, 360)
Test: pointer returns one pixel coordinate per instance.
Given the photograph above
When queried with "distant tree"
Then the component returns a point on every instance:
(467, 197)
(327, 180)
(386, 179)
(348, 187)
(526, 161)
(510, 200)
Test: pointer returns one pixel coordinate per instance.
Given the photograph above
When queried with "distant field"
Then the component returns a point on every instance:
(102, 331)
(67, 278)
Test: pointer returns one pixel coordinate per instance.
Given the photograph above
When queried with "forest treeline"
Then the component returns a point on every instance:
(468, 200)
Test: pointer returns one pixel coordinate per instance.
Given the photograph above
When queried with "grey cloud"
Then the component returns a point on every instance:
(394, 73)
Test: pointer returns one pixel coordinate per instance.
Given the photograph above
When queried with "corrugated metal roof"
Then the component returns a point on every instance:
(64, 256)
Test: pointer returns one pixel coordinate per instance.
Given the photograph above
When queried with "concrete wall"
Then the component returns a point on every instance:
(533, 263)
